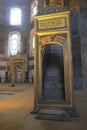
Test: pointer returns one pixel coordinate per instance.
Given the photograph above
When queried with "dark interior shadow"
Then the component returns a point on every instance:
(52, 72)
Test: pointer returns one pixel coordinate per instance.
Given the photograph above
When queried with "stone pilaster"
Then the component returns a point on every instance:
(83, 38)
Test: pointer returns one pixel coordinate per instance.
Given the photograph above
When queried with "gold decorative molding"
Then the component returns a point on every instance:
(61, 37)
(54, 39)
(52, 23)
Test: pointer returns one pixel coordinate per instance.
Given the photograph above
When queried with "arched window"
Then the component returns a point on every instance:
(32, 42)
(14, 41)
(34, 9)
(15, 16)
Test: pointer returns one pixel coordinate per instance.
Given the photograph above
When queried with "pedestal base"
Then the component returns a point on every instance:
(48, 114)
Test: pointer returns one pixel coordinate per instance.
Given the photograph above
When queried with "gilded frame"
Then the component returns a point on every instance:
(38, 59)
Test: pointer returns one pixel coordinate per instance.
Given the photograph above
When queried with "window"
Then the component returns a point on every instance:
(34, 9)
(14, 43)
(15, 16)
(32, 42)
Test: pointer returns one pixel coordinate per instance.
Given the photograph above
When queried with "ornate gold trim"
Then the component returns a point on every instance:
(39, 43)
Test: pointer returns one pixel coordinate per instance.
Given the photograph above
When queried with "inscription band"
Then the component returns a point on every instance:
(55, 23)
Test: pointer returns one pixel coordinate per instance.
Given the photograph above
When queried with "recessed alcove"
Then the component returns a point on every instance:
(53, 72)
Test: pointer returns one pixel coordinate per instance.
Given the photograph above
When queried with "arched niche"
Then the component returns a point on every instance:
(52, 67)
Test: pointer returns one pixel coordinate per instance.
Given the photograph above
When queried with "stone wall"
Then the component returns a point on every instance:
(79, 42)
(3, 68)
(2, 45)
(83, 38)
(76, 49)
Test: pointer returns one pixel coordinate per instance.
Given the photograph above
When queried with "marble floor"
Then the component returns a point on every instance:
(15, 111)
